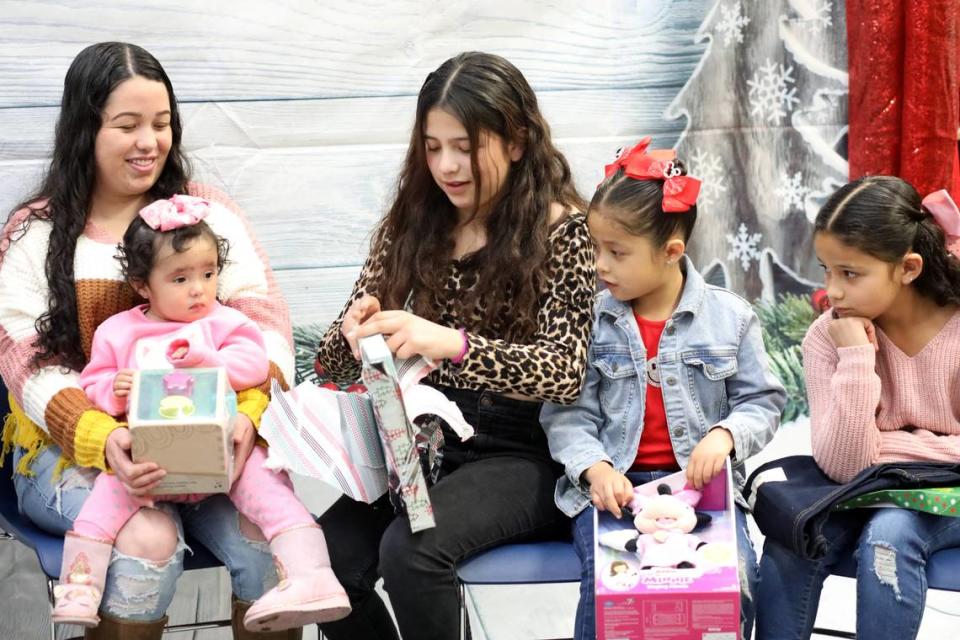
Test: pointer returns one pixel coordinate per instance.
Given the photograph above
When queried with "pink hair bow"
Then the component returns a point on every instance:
(679, 192)
(945, 211)
(178, 211)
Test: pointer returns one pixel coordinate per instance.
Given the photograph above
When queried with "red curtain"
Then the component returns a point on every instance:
(904, 63)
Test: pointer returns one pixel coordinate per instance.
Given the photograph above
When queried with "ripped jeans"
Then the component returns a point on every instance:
(891, 552)
(136, 589)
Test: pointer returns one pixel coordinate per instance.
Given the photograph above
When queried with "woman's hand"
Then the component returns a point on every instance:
(138, 478)
(852, 331)
(609, 489)
(244, 439)
(357, 314)
(410, 335)
(708, 457)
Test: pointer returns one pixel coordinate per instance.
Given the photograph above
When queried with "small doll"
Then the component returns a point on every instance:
(663, 524)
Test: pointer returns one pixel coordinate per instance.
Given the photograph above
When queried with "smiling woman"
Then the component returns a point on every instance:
(116, 148)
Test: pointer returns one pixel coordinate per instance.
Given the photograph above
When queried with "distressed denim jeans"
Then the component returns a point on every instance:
(891, 551)
(137, 589)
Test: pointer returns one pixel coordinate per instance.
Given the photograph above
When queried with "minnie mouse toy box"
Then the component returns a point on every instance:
(668, 569)
(182, 419)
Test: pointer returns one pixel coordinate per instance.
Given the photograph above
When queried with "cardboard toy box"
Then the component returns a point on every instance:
(182, 419)
(405, 479)
(666, 603)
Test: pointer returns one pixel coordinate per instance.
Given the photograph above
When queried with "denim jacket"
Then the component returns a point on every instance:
(713, 373)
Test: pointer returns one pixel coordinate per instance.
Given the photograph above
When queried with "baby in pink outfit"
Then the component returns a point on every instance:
(172, 258)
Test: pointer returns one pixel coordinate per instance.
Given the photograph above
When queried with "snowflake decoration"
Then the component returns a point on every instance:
(706, 166)
(732, 23)
(743, 246)
(792, 190)
(770, 93)
(820, 20)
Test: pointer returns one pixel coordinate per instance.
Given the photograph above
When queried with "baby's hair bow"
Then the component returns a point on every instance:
(679, 191)
(173, 213)
(945, 212)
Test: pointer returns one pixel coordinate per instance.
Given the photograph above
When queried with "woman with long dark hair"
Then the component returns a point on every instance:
(484, 262)
(117, 147)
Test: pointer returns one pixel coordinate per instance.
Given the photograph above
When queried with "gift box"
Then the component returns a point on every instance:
(640, 593)
(405, 479)
(182, 419)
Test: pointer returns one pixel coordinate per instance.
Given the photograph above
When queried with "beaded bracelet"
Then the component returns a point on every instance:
(458, 359)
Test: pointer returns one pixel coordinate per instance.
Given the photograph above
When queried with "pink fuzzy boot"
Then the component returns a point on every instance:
(77, 597)
(308, 592)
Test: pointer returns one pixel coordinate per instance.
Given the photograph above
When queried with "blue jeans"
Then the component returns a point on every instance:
(136, 589)
(586, 622)
(891, 552)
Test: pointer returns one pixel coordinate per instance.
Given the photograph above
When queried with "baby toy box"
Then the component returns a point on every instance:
(658, 580)
(182, 419)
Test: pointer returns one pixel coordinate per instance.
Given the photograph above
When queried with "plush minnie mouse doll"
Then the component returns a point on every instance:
(663, 524)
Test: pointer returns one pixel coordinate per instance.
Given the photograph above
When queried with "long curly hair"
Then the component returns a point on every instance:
(68, 185)
(486, 93)
(883, 216)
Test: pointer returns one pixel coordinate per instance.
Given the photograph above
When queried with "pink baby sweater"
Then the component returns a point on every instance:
(130, 340)
(872, 406)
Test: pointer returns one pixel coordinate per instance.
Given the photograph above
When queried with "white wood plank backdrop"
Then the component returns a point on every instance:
(301, 111)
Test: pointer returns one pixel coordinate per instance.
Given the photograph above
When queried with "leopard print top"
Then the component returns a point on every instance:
(550, 367)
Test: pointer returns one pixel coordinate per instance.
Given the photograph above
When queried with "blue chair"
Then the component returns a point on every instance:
(49, 548)
(943, 572)
(522, 563)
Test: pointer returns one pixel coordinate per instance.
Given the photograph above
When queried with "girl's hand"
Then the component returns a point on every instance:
(411, 335)
(122, 382)
(358, 313)
(138, 478)
(609, 489)
(852, 331)
(244, 439)
(708, 457)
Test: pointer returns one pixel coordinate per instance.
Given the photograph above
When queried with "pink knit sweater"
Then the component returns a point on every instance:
(869, 407)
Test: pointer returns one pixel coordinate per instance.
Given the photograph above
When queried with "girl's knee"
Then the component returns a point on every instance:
(149, 535)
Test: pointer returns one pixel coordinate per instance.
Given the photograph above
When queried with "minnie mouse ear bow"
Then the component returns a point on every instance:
(679, 191)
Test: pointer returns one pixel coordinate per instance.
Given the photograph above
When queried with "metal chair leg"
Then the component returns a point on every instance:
(53, 633)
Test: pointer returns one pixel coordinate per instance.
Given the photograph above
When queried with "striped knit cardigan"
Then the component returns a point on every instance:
(48, 405)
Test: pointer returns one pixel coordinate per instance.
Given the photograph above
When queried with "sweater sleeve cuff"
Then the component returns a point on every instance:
(90, 438)
(252, 403)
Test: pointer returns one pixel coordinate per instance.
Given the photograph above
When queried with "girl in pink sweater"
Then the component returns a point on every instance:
(883, 379)
(172, 258)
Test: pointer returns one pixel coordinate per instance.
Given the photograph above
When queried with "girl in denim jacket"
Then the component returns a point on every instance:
(677, 376)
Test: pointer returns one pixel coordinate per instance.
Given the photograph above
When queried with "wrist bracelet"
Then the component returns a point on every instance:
(458, 359)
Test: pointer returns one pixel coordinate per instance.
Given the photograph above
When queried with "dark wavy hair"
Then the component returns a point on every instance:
(137, 253)
(68, 185)
(882, 216)
(486, 93)
(637, 205)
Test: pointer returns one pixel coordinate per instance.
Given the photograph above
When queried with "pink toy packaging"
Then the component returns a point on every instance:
(668, 569)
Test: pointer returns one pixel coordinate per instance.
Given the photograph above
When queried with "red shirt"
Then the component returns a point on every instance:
(655, 452)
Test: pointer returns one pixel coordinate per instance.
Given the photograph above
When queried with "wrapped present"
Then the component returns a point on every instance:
(940, 501)
(182, 419)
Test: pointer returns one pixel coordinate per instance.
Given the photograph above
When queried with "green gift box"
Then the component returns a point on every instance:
(940, 501)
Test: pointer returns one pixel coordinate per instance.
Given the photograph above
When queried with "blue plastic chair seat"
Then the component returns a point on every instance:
(523, 563)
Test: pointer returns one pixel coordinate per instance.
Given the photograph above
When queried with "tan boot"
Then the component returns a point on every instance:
(308, 590)
(111, 628)
(77, 597)
(240, 632)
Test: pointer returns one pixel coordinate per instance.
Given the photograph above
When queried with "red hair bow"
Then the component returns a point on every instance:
(679, 192)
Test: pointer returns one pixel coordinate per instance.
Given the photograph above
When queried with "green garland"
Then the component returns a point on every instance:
(784, 323)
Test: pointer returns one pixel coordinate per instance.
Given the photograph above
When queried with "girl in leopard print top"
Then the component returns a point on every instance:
(484, 263)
